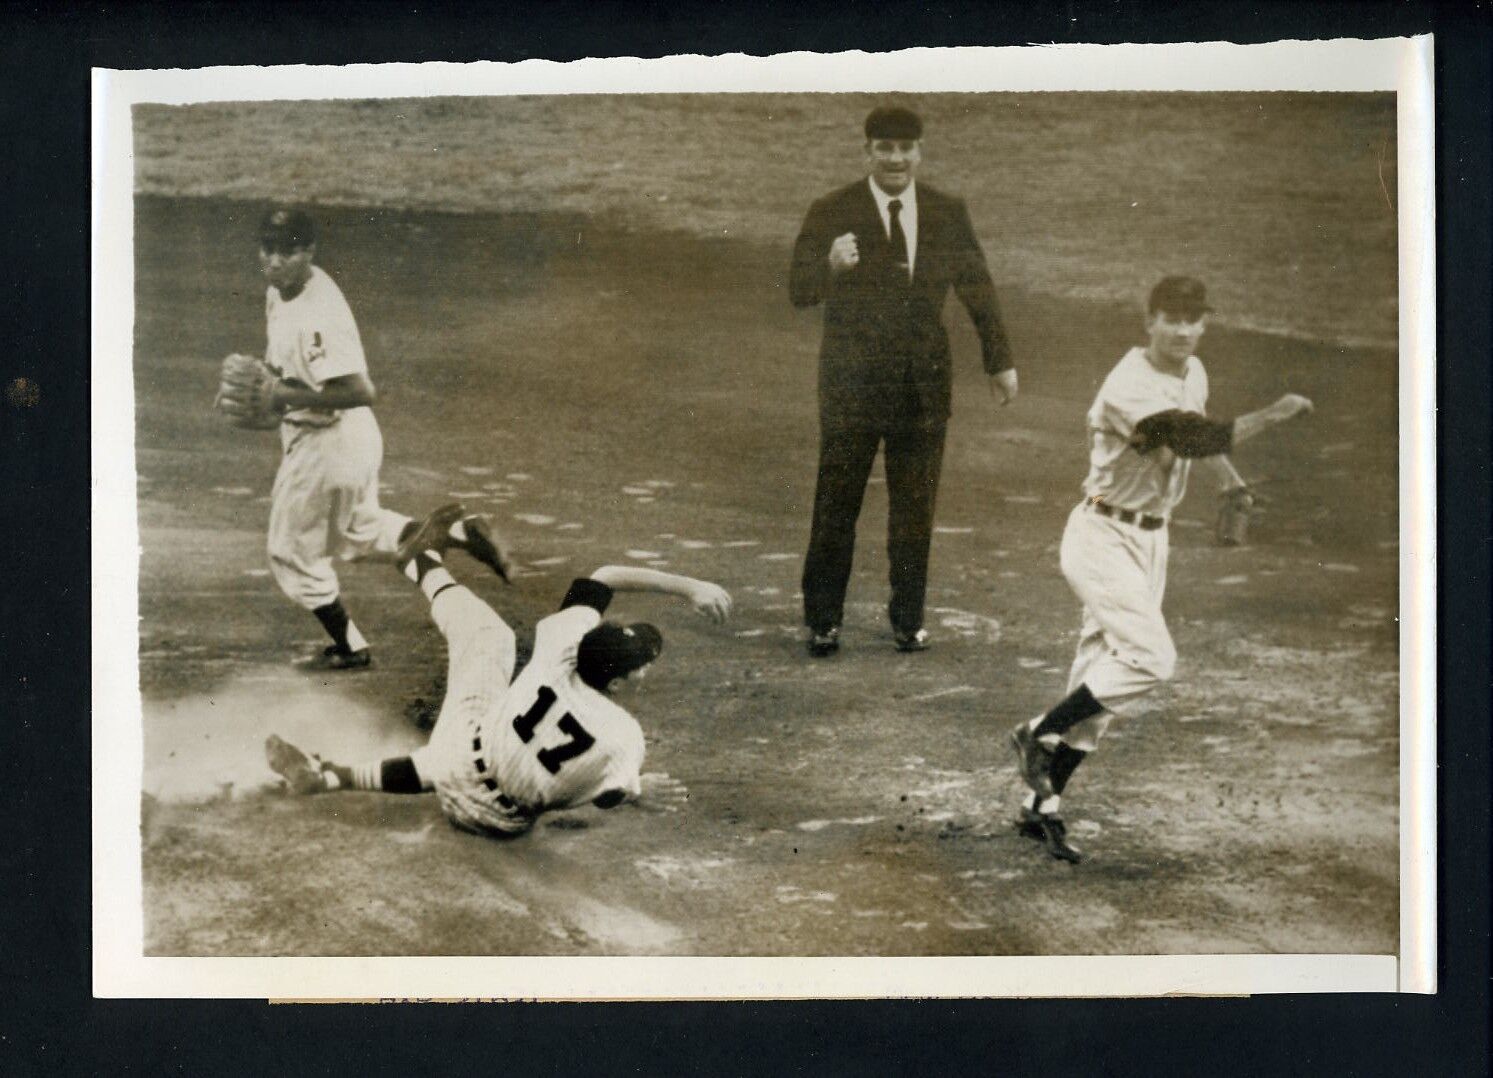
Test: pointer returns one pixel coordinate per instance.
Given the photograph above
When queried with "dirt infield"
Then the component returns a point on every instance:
(640, 397)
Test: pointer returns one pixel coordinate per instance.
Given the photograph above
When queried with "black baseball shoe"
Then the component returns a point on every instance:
(1035, 759)
(823, 644)
(1050, 830)
(298, 770)
(434, 533)
(333, 657)
(913, 641)
(486, 547)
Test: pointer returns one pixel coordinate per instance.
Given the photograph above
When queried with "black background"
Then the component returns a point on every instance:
(49, 1022)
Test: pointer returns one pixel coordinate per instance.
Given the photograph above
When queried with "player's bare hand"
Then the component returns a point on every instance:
(844, 254)
(711, 601)
(1005, 385)
(1296, 404)
(660, 792)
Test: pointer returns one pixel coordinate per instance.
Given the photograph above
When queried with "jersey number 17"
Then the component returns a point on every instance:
(552, 758)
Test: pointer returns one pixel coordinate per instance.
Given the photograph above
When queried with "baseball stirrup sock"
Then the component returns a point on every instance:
(1065, 760)
(1069, 712)
(396, 775)
(426, 570)
(1047, 806)
(344, 634)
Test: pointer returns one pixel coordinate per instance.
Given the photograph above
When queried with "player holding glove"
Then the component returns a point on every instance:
(313, 385)
(1146, 427)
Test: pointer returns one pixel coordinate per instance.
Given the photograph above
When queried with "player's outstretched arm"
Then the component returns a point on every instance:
(1252, 423)
(1195, 436)
(709, 600)
(1223, 472)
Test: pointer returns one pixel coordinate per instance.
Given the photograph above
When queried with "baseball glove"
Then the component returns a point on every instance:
(1236, 505)
(245, 393)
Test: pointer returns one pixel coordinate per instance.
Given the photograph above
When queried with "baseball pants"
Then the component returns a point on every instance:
(324, 505)
(481, 652)
(1118, 572)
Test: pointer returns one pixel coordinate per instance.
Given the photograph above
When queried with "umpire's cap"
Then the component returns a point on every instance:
(610, 651)
(1183, 296)
(287, 226)
(895, 122)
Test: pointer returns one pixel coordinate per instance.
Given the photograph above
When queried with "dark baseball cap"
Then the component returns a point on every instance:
(612, 650)
(287, 226)
(1179, 295)
(893, 121)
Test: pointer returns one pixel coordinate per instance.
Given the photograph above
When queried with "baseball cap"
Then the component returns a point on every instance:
(288, 227)
(893, 121)
(610, 651)
(1179, 295)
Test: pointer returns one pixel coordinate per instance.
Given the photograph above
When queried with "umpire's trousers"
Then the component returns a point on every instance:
(914, 457)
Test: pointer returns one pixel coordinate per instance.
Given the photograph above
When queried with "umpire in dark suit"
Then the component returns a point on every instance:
(881, 255)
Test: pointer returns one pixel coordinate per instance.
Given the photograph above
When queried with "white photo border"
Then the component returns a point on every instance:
(120, 968)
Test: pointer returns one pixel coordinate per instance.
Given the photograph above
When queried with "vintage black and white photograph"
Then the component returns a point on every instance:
(764, 523)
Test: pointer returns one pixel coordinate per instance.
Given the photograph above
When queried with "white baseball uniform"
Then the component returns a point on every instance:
(1118, 568)
(502, 753)
(325, 498)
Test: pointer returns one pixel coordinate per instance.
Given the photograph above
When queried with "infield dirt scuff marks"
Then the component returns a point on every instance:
(208, 746)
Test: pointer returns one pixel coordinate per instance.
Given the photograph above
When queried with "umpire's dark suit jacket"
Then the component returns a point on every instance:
(884, 361)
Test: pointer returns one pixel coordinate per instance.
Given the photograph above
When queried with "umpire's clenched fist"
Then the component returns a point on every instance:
(843, 254)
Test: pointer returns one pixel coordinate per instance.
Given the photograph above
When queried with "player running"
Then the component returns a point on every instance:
(502, 753)
(1145, 428)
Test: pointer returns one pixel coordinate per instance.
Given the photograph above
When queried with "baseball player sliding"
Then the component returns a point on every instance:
(1146, 427)
(504, 749)
(313, 385)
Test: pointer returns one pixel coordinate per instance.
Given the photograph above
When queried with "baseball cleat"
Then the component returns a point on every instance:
(1035, 759)
(333, 657)
(1050, 830)
(294, 766)
(822, 644)
(486, 547)
(434, 533)
(914, 641)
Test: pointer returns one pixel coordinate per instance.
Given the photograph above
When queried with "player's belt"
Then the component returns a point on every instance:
(1142, 521)
(312, 421)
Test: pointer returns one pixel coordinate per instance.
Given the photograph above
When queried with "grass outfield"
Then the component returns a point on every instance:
(611, 394)
(1275, 199)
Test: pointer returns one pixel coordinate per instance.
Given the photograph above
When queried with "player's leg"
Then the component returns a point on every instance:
(363, 528)
(845, 458)
(1091, 646)
(481, 654)
(1112, 568)
(914, 459)
(1138, 630)
(309, 774)
(297, 545)
(1113, 573)
(480, 647)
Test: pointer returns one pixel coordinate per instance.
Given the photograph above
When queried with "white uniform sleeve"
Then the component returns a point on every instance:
(557, 638)
(625, 768)
(1123, 402)
(1199, 389)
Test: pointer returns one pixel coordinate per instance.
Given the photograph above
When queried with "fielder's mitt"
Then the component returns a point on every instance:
(245, 391)
(1236, 505)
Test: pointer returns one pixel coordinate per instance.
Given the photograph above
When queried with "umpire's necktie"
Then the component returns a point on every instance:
(898, 237)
